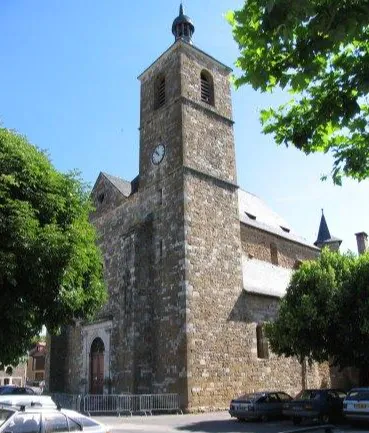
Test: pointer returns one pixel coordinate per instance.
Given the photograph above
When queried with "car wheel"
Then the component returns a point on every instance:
(296, 420)
(325, 418)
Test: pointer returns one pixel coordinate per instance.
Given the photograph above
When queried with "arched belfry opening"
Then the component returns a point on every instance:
(160, 92)
(207, 87)
(97, 366)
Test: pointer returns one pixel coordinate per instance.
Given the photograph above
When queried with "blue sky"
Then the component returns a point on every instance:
(68, 82)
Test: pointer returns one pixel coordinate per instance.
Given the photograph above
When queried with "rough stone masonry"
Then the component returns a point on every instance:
(194, 265)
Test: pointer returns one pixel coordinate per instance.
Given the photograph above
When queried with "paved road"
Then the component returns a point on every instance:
(216, 422)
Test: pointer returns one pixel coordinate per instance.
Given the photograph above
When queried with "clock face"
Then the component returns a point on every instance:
(158, 154)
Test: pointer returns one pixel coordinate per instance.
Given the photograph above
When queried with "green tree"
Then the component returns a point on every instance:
(324, 315)
(319, 51)
(50, 265)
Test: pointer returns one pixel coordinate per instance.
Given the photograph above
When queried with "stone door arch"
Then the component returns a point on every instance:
(97, 366)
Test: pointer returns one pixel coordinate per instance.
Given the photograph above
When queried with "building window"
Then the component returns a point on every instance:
(274, 254)
(39, 363)
(159, 91)
(262, 342)
(251, 216)
(207, 88)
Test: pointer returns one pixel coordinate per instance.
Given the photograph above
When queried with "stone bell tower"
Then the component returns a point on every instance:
(187, 157)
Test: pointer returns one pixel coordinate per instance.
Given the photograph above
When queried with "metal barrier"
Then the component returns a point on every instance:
(68, 401)
(159, 402)
(130, 404)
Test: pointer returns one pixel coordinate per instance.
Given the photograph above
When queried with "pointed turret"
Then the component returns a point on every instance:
(324, 237)
(182, 27)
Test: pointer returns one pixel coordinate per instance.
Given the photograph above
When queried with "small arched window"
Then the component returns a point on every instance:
(159, 91)
(261, 342)
(207, 88)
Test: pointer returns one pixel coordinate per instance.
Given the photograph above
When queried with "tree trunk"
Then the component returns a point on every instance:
(364, 376)
(304, 370)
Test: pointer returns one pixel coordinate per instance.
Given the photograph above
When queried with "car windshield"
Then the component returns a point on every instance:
(80, 419)
(358, 395)
(252, 396)
(4, 415)
(308, 395)
(84, 421)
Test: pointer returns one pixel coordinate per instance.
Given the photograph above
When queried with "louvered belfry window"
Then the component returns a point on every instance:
(160, 92)
(207, 91)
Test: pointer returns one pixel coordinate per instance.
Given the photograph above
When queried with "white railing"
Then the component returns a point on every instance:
(130, 404)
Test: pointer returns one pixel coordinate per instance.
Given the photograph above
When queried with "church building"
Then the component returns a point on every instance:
(194, 264)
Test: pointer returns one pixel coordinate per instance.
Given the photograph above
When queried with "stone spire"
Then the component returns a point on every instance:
(324, 237)
(182, 27)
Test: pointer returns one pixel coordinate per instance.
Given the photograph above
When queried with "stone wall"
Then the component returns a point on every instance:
(106, 197)
(143, 248)
(214, 282)
(257, 243)
(181, 321)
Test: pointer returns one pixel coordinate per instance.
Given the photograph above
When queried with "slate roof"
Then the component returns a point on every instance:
(256, 213)
(324, 236)
(122, 185)
(264, 278)
(252, 211)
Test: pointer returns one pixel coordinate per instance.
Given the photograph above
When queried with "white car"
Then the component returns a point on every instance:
(356, 405)
(39, 414)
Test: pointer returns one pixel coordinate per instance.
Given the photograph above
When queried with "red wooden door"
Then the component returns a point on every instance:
(97, 367)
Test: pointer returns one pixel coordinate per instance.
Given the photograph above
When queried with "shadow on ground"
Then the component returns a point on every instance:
(233, 426)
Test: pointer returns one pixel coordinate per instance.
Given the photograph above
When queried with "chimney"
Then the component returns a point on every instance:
(362, 242)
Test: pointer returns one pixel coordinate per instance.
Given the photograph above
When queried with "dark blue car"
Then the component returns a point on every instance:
(259, 405)
(325, 405)
(18, 390)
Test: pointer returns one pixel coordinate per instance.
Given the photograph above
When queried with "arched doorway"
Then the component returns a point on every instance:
(97, 366)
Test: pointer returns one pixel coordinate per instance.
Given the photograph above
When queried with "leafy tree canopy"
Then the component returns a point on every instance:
(319, 51)
(50, 266)
(324, 315)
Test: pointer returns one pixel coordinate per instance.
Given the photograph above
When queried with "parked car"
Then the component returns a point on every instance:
(12, 389)
(27, 400)
(259, 405)
(26, 414)
(322, 404)
(356, 405)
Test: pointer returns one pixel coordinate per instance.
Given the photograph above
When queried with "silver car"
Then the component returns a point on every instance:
(356, 405)
(39, 414)
(259, 405)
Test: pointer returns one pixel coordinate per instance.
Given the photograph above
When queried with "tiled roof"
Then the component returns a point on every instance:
(264, 278)
(255, 212)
